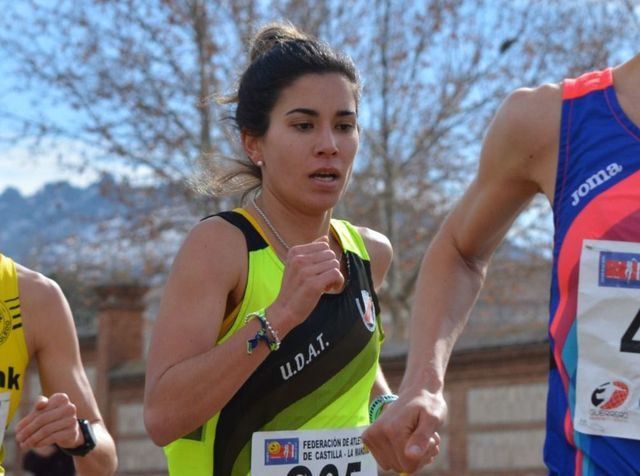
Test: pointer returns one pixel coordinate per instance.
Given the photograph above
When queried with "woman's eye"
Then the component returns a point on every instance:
(345, 127)
(303, 126)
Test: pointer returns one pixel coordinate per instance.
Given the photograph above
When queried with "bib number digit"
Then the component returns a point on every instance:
(300, 471)
(353, 468)
(627, 343)
(329, 470)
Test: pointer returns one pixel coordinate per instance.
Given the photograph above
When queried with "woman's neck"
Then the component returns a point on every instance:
(289, 225)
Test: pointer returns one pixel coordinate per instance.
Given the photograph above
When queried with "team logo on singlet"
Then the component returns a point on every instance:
(610, 395)
(5, 323)
(366, 309)
(618, 269)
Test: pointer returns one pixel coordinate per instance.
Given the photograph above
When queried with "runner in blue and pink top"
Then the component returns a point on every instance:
(578, 143)
(593, 422)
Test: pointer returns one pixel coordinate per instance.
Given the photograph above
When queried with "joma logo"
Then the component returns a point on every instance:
(597, 179)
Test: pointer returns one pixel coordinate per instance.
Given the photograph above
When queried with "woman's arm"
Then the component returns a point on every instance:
(189, 377)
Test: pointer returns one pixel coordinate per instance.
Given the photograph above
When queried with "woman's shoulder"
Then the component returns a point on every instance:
(215, 230)
(380, 252)
(210, 264)
(211, 243)
(374, 239)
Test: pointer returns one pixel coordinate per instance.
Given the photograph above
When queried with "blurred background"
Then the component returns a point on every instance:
(108, 119)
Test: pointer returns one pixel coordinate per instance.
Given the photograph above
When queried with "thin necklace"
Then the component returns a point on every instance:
(275, 232)
(270, 225)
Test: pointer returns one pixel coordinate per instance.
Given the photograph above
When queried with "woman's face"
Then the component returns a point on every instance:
(312, 140)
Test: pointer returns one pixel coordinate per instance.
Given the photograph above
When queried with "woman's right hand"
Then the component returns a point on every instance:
(310, 270)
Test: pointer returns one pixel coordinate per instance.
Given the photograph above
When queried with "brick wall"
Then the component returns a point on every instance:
(496, 400)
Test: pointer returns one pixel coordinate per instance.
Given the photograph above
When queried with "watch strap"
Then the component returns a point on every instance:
(89, 440)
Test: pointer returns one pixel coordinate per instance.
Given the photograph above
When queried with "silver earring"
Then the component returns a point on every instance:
(260, 163)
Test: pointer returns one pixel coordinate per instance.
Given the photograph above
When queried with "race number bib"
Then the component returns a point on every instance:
(311, 453)
(608, 319)
(5, 402)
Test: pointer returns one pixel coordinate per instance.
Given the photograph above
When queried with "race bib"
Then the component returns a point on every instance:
(608, 319)
(5, 403)
(311, 453)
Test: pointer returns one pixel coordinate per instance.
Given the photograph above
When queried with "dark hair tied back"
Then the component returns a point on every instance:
(279, 55)
(271, 35)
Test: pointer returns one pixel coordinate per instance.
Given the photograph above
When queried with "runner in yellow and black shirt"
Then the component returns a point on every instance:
(322, 375)
(265, 350)
(13, 348)
(36, 323)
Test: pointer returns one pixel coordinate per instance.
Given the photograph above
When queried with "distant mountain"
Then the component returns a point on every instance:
(54, 213)
(115, 231)
(89, 230)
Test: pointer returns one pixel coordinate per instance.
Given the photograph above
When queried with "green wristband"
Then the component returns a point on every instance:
(375, 409)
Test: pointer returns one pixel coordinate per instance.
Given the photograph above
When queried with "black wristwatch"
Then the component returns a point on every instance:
(89, 440)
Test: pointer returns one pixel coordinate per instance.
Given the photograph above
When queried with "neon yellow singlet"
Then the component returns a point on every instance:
(13, 348)
(320, 378)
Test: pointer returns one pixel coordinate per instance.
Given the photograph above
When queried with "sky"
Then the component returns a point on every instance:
(22, 169)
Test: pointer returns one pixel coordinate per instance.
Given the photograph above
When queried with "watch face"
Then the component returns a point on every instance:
(87, 432)
(89, 440)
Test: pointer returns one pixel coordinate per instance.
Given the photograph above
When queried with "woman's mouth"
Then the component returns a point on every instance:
(324, 177)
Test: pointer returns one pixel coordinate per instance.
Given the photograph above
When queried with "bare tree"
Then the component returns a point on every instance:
(133, 81)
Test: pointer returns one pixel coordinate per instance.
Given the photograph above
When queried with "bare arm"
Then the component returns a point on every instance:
(51, 338)
(517, 161)
(206, 282)
(380, 386)
(517, 156)
(183, 358)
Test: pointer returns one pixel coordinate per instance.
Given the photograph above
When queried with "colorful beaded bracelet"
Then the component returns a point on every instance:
(266, 333)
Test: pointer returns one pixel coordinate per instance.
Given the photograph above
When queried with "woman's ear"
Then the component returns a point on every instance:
(252, 146)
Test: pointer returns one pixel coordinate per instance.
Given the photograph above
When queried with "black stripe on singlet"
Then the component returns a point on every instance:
(12, 299)
(254, 239)
(17, 316)
(17, 326)
(265, 394)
